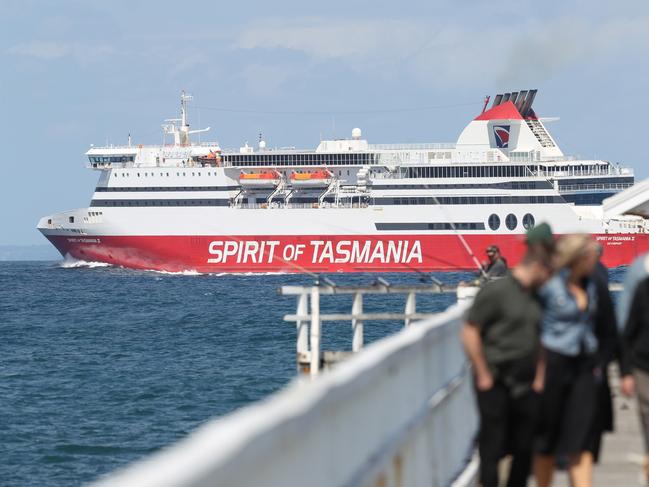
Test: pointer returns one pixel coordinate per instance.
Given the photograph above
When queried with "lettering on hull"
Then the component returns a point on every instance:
(316, 252)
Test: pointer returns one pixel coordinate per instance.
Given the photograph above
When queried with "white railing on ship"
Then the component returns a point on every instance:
(399, 413)
(585, 187)
(423, 146)
(155, 146)
(264, 206)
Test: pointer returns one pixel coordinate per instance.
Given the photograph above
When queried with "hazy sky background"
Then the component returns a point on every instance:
(80, 72)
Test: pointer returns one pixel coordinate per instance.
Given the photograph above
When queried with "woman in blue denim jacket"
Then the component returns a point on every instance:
(570, 345)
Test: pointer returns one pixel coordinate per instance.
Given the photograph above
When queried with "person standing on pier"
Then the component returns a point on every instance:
(496, 266)
(635, 342)
(501, 339)
(573, 366)
(609, 349)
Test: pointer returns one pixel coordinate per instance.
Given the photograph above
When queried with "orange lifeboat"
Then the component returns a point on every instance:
(211, 159)
(313, 179)
(260, 179)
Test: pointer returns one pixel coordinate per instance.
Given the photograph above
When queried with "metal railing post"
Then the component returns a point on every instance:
(411, 306)
(315, 331)
(357, 324)
(302, 344)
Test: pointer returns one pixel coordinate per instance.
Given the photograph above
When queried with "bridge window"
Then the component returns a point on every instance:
(511, 221)
(528, 221)
(494, 222)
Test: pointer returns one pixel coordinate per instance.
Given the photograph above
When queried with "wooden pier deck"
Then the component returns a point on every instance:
(622, 451)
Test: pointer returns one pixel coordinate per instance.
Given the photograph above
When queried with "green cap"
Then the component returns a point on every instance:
(539, 234)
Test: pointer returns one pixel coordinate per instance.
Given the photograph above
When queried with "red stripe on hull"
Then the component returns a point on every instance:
(341, 253)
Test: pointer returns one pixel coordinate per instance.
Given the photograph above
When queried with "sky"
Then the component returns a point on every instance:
(82, 72)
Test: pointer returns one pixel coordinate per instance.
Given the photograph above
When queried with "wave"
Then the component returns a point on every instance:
(249, 274)
(72, 263)
(187, 272)
(217, 274)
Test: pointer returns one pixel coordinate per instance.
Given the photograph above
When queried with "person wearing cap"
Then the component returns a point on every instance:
(541, 235)
(573, 364)
(501, 339)
(496, 266)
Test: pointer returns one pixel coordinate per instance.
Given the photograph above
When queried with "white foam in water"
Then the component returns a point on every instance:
(178, 273)
(250, 274)
(217, 274)
(71, 263)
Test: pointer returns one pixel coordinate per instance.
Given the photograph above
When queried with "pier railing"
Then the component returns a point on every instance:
(399, 413)
(309, 319)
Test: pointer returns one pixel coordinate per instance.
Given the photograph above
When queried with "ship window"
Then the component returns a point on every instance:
(528, 221)
(138, 175)
(494, 222)
(511, 221)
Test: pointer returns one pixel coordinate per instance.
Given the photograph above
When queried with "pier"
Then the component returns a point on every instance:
(622, 455)
(398, 412)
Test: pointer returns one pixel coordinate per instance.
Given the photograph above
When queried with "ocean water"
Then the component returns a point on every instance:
(100, 366)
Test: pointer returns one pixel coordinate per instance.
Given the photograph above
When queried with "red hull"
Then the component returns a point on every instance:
(341, 253)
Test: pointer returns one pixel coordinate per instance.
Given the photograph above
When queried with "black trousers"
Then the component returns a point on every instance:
(568, 405)
(507, 426)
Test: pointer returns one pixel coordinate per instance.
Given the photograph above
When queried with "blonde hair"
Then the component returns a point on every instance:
(570, 247)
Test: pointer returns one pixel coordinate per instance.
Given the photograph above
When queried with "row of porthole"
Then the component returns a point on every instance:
(511, 221)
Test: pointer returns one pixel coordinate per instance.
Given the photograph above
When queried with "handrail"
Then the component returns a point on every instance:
(309, 324)
(416, 146)
(401, 410)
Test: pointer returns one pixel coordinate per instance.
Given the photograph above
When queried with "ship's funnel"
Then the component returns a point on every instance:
(526, 107)
(521, 99)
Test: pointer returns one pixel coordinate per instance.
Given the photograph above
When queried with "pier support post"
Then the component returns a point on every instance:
(411, 307)
(315, 331)
(357, 325)
(302, 330)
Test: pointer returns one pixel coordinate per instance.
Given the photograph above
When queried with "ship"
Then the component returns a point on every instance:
(347, 205)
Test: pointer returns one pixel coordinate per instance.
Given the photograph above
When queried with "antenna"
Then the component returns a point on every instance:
(184, 98)
(486, 102)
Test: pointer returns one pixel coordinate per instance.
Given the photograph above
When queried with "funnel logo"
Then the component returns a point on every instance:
(501, 134)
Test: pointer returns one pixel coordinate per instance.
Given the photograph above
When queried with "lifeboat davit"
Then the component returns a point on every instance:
(261, 179)
(312, 179)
